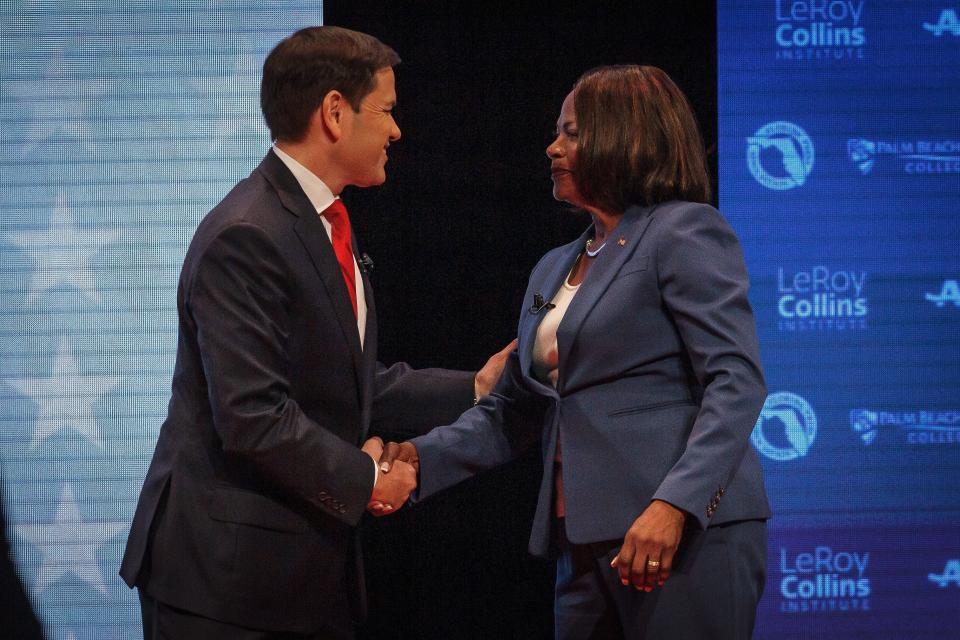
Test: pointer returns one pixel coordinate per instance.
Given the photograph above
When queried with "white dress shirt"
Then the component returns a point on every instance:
(321, 197)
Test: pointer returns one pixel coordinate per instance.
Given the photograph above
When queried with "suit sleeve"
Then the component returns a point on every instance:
(409, 402)
(503, 425)
(704, 283)
(240, 300)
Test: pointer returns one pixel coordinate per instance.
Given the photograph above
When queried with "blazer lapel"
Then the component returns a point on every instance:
(546, 287)
(314, 238)
(606, 266)
(369, 356)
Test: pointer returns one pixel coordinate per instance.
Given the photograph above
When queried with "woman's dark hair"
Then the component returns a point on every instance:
(638, 140)
(307, 65)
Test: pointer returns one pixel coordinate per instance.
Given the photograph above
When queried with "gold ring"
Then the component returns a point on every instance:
(653, 563)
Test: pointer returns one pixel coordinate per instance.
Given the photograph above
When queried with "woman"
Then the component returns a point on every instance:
(638, 370)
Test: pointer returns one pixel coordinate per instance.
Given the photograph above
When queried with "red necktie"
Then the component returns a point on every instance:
(336, 214)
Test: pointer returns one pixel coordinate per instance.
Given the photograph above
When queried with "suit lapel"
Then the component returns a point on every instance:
(606, 266)
(369, 356)
(314, 238)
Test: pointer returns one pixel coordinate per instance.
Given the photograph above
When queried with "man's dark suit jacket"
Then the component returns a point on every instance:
(16, 614)
(248, 510)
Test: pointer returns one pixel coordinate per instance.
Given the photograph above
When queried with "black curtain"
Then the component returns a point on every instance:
(465, 214)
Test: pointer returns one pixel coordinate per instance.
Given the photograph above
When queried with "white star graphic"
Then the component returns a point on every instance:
(65, 398)
(62, 252)
(69, 545)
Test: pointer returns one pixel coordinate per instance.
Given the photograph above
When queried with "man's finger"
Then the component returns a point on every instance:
(373, 447)
(380, 509)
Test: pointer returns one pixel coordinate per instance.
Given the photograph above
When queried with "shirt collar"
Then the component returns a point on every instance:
(317, 192)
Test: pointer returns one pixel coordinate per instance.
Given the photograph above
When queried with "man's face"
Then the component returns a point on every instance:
(368, 133)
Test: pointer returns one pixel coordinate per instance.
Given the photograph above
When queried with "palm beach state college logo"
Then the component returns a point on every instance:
(780, 155)
(917, 427)
(913, 157)
(786, 428)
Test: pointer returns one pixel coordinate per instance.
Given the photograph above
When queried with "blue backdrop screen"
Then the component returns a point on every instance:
(839, 153)
(121, 124)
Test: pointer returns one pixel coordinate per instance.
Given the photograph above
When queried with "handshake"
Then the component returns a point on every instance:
(398, 465)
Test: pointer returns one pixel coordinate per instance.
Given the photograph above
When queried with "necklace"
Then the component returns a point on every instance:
(595, 252)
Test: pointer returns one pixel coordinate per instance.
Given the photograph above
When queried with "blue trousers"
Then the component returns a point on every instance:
(712, 593)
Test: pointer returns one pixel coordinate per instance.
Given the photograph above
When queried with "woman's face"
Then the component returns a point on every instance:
(563, 155)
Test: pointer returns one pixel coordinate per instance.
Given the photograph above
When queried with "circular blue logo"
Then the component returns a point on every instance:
(791, 145)
(791, 419)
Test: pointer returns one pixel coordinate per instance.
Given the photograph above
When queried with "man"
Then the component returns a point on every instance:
(245, 525)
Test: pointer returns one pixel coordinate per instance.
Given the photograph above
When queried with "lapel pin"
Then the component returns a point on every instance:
(622, 241)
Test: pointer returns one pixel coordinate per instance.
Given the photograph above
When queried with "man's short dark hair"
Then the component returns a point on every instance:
(307, 65)
(638, 140)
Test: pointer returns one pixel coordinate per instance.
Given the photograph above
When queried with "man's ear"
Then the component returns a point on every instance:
(331, 113)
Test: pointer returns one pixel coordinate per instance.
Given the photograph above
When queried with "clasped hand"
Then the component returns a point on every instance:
(394, 485)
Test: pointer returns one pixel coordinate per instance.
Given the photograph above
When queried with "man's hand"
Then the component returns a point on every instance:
(389, 494)
(486, 378)
(392, 491)
(646, 557)
(373, 448)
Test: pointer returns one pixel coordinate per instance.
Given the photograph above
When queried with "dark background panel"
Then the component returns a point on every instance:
(465, 214)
